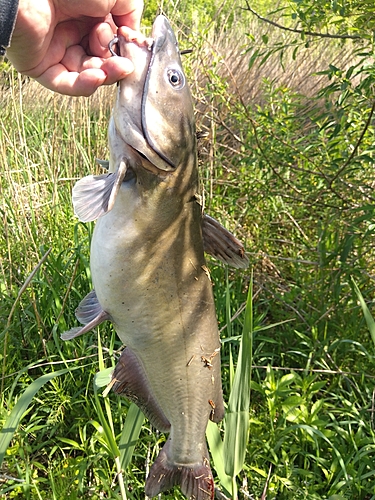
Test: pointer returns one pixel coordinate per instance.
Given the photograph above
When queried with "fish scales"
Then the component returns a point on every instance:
(147, 261)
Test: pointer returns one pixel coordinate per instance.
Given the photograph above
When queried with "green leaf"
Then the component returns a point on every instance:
(235, 441)
(253, 58)
(286, 380)
(366, 312)
(107, 423)
(216, 446)
(130, 433)
(107, 432)
(71, 443)
(103, 377)
(20, 408)
(237, 415)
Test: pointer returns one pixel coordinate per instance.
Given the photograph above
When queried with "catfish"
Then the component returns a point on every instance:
(147, 261)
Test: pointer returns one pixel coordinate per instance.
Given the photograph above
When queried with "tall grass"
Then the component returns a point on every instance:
(269, 164)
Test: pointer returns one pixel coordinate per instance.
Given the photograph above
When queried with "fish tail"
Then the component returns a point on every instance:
(195, 480)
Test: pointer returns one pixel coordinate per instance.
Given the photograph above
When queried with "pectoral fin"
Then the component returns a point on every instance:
(95, 195)
(90, 314)
(223, 245)
(130, 380)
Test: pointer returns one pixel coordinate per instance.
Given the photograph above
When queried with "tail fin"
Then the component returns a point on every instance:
(195, 480)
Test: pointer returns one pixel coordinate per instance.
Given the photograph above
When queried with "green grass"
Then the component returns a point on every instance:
(279, 167)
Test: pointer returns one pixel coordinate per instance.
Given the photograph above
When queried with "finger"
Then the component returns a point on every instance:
(85, 82)
(128, 13)
(59, 79)
(116, 68)
(100, 36)
(77, 60)
(134, 36)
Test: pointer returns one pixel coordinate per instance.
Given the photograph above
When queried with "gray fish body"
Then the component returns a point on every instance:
(148, 276)
(147, 261)
(148, 267)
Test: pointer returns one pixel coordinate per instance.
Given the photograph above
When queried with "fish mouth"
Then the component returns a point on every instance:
(153, 113)
(164, 40)
(162, 33)
(151, 167)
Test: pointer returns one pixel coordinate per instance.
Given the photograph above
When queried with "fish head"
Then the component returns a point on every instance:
(153, 112)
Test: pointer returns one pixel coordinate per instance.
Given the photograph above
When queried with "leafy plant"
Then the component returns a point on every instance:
(229, 455)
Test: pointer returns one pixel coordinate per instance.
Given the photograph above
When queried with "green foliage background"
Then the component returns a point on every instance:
(287, 103)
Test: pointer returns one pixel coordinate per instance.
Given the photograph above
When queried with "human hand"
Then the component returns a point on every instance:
(64, 45)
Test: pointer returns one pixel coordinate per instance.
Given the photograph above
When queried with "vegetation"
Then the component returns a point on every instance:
(287, 163)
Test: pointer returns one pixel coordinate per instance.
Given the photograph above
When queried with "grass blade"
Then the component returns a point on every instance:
(366, 312)
(19, 409)
(216, 446)
(130, 433)
(237, 416)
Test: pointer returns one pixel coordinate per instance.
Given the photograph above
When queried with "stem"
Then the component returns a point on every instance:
(22, 289)
(120, 478)
(234, 488)
(304, 32)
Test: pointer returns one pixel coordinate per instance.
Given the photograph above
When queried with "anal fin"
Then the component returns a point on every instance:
(95, 195)
(90, 314)
(222, 244)
(130, 380)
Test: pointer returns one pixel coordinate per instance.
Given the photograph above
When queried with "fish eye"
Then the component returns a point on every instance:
(176, 78)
